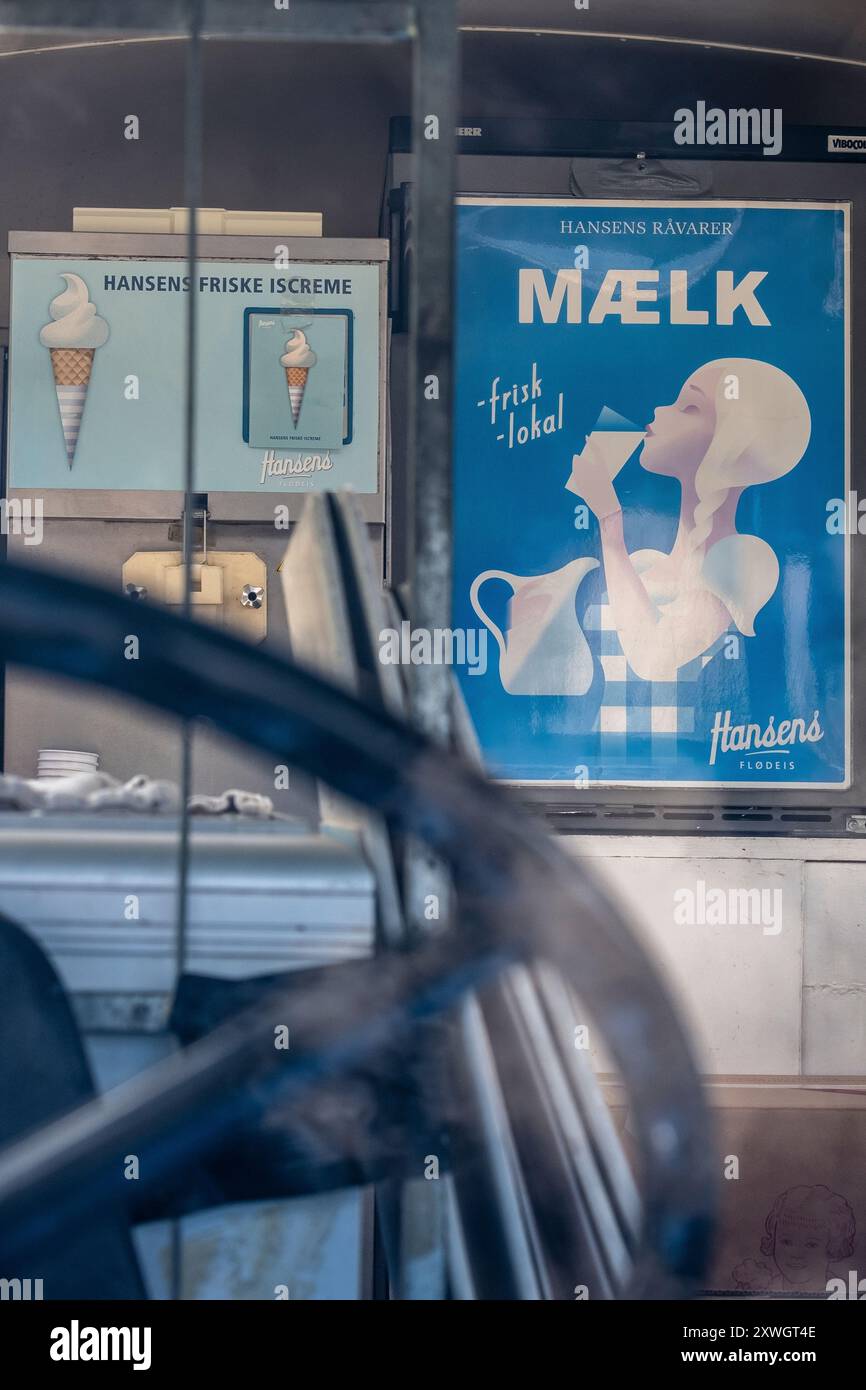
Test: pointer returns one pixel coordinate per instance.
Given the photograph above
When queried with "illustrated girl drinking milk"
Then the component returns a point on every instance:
(736, 422)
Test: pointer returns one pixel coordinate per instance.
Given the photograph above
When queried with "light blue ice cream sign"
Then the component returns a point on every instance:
(315, 382)
(651, 420)
(288, 377)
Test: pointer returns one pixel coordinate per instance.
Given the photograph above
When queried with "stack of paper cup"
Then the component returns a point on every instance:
(65, 762)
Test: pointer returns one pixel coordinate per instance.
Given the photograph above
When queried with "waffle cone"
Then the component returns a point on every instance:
(296, 380)
(72, 366)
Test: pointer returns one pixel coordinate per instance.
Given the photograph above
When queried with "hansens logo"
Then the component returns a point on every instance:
(744, 738)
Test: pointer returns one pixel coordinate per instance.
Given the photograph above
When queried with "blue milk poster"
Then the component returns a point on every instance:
(651, 443)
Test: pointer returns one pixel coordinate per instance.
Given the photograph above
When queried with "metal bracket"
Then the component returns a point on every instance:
(228, 587)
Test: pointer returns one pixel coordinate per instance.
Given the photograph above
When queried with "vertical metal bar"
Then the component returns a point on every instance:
(436, 83)
(193, 127)
(435, 98)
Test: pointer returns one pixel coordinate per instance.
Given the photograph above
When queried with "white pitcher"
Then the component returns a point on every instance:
(545, 652)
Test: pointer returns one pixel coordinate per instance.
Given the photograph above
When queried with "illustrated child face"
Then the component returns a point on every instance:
(679, 435)
(800, 1252)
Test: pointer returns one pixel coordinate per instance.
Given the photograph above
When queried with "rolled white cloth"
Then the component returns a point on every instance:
(97, 791)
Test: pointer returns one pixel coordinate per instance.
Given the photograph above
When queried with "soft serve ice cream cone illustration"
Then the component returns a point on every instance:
(297, 359)
(72, 337)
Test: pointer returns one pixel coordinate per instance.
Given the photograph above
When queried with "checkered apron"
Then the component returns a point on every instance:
(658, 711)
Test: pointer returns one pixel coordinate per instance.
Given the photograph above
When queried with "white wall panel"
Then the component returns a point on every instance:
(834, 974)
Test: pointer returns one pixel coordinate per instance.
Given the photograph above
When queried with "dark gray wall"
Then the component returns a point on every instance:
(306, 127)
(285, 128)
(291, 126)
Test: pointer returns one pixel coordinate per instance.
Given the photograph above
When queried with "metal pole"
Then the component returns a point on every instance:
(193, 129)
(192, 191)
(435, 87)
(436, 82)
(427, 889)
